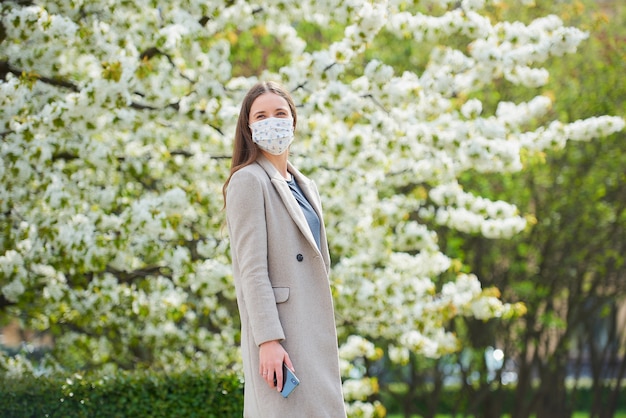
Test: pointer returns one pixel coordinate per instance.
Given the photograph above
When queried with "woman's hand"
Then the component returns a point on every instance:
(271, 358)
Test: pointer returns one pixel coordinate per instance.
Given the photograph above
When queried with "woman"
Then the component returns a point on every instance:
(280, 266)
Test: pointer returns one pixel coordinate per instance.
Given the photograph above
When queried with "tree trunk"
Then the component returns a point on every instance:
(552, 395)
(522, 404)
(615, 392)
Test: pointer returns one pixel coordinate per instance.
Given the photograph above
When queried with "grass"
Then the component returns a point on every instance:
(618, 414)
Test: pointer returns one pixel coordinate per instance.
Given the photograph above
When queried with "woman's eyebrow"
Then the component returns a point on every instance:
(258, 112)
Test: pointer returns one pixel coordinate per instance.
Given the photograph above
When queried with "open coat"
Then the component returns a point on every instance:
(283, 292)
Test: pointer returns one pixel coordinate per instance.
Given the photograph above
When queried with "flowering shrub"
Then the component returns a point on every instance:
(117, 125)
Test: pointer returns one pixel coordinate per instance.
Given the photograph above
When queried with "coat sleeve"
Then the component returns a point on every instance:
(245, 214)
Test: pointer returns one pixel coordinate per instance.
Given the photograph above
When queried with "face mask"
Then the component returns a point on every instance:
(273, 135)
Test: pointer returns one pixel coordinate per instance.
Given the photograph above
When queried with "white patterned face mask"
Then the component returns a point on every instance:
(273, 135)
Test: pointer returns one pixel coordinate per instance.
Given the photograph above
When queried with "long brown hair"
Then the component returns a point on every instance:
(245, 151)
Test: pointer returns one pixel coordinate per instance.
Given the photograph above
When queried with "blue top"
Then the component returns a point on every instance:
(311, 217)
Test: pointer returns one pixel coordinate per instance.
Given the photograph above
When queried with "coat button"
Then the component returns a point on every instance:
(299, 257)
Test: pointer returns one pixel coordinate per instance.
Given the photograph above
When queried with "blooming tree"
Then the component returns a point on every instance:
(116, 130)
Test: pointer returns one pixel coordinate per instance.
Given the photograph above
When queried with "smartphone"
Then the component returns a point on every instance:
(290, 381)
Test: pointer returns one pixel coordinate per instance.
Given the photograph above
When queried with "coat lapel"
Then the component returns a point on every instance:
(310, 192)
(289, 201)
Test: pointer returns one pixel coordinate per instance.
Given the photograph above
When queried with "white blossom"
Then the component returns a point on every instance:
(357, 346)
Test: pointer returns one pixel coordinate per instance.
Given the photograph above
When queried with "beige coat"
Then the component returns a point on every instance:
(283, 292)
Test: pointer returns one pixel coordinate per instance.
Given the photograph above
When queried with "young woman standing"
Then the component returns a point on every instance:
(281, 266)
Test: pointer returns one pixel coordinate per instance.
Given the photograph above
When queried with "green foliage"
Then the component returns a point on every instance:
(452, 400)
(136, 394)
(568, 266)
(254, 51)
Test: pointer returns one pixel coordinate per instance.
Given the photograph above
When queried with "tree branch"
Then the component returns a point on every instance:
(130, 276)
(5, 303)
(7, 68)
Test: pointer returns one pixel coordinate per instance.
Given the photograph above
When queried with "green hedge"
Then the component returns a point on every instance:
(128, 394)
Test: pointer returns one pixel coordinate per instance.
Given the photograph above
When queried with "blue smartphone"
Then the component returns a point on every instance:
(290, 381)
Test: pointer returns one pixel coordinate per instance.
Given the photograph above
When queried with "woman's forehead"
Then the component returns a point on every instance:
(269, 102)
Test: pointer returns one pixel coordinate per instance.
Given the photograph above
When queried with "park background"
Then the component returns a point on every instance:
(475, 205)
